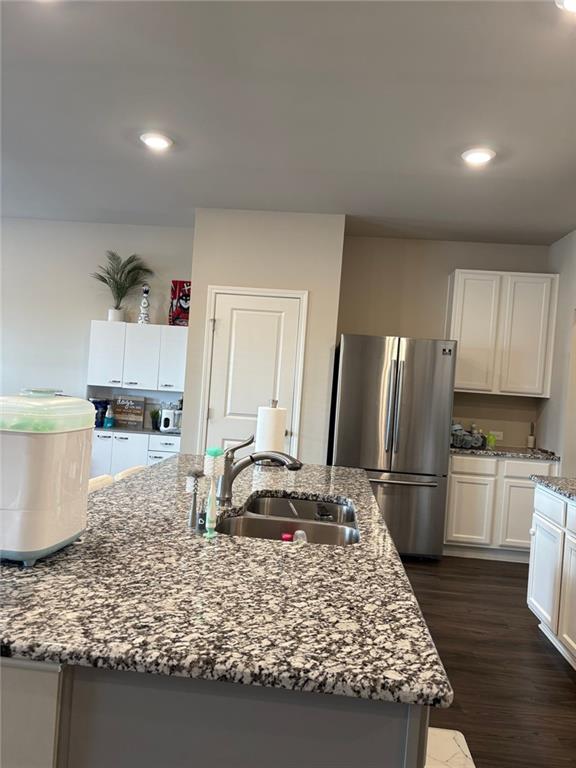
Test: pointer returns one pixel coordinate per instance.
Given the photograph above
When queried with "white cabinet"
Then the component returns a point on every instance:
(544, 576)
(504, 324)
(491, 501)
(470, 509)
(106, 359)
(567, 622)
(128, 451)
(475, 306)
(525, 336)
(165, 441)
(101, 453)
(516, 502)
(133, 356)
(141, 356)
(172, 368)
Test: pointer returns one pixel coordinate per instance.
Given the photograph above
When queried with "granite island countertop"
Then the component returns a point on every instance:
(531, 454)
(565, 486)
(140, 591)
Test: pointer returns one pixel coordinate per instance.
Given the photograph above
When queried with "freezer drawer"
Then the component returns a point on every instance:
(414, 508)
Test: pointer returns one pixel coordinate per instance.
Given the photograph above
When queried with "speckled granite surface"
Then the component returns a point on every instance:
(532, 454)
(142, 592)
(565, 486)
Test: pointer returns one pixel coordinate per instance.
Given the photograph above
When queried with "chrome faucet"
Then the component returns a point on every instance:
(233, 468)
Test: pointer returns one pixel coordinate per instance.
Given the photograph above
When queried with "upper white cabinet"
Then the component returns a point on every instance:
(172, 368)
(106, 360)
(475, 303)
(141, 356)
(504, 324)
(133, 356)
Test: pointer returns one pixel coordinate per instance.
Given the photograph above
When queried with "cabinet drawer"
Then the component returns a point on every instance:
(165, 442)
(571, 518)
(550, 506)
(519, 468)
(155, 456)
(474, 465)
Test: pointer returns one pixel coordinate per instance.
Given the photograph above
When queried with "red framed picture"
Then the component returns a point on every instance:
(179, 302)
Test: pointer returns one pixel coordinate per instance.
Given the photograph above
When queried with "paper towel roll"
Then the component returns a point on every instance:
(270, 429)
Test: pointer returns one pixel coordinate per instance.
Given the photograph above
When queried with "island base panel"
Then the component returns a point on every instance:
(131, 719)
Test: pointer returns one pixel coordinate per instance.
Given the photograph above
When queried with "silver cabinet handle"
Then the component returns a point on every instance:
(114, 381)
(155, 456)
(120, 437)
(104, 437)
(389, 402)
(166, 385)
(131, 382)
(398, 404)
(166, 443)
(405, 482)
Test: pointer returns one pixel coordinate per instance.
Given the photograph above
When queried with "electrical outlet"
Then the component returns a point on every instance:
(498, 435)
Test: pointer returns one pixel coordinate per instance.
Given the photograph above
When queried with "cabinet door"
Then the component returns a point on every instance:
(517, 507)
(475, 326)
(106, 356)
(470, 509)
(172, 369)
(129, 451)
(526, 351)
(545, 572)
(101, 453)
(141, 356)
(567, 624)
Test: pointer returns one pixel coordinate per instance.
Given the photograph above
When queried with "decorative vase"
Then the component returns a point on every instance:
(116, 315)
(144, 316)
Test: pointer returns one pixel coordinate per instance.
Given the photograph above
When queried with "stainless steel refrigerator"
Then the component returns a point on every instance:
(391, 416)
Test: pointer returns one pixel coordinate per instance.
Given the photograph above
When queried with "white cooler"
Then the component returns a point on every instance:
(45, 449)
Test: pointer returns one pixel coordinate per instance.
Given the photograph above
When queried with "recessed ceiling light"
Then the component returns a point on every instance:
(156, 141)
(567, 5)
(478, 156)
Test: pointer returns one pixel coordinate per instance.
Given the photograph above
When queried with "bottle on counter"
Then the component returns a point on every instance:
(109, 417)
(490, 441)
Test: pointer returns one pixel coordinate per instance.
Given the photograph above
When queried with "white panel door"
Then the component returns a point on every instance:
(254, 360)
(101, 453)
(475, 327)
(172, 368)
(106, 356)
(545, 573)
(141, 356)
(470, 509)
(567, 623)
(516, 513)
(129, 451)
(526, 317)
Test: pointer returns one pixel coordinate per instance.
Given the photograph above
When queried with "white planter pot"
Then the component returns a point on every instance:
(116, 315)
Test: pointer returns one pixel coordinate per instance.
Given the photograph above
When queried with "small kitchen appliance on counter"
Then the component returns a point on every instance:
(171, 419)
(45, 447)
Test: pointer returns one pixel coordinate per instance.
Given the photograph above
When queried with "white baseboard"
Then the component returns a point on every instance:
(557, 644)
(486, 553)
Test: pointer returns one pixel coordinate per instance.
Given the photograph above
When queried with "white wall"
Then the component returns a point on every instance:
(271, 250)
(557, 423)
(49, 298)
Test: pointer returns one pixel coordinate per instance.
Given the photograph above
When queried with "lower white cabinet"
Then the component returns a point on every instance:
(567, 618)
(545, 574)
(128, 451)
(552, 574)
(113, 452)
(471, 509)
(491, 501)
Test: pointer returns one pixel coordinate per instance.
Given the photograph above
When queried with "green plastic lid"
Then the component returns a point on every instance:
(42, 410)
(214, 452)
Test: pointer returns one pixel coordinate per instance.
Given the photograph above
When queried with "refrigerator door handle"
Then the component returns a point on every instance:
(404, 482)
(398, 405)
(389, 402)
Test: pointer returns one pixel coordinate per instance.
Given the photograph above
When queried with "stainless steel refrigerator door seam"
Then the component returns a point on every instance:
(398, 406)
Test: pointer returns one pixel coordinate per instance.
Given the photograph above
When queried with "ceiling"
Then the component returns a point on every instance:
(356, 108)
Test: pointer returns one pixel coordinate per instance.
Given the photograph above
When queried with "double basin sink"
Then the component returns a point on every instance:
(272, 517)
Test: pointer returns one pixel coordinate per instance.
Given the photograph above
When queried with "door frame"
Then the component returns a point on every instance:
(213, 292)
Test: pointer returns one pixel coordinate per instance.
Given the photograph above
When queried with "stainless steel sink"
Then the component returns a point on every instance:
(303, 509)
(267, 527)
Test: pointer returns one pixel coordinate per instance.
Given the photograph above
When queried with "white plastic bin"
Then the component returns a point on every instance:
(45, 449)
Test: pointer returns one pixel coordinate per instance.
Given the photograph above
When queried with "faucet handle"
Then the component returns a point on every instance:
(231, 451)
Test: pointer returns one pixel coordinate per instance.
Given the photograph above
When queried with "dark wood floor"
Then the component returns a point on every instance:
(515, 696)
